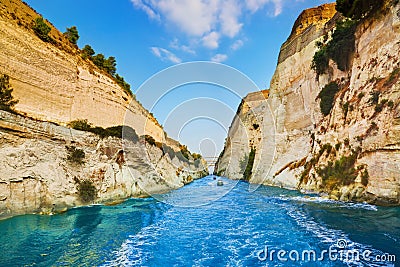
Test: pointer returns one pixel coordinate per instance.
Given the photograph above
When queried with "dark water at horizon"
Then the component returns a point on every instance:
(226, 228)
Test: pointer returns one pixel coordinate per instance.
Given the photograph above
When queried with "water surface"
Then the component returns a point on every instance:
(205, 225)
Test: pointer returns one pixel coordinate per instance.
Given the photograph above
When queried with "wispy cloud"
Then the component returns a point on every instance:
(255, 5)
(219, 58)
(146, 8)
(179, 47)
(207, 21)
(165, 55)
(237, 45)
(211, 40)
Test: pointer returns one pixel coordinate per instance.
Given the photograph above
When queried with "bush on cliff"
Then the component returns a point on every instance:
(87, 191)
(75, 155)
(120, 131)
(340, 172)
(340, 48)
(72, 34)
(7, 101)
(41, 29)
(358, 9)
(327, 96)
(87, 52)
(248, 171)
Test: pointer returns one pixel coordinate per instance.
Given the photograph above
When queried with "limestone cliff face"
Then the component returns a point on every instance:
(304, 142)
(54, 86)
(37, 177)
(53, 83)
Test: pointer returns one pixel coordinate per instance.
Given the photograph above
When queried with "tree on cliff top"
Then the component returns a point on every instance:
(41, 29)
(72, 34)
(7, 101)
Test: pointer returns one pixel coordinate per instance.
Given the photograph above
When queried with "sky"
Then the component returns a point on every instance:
(235, 44)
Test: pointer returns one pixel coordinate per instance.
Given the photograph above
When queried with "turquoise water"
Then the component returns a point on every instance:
(206, 225)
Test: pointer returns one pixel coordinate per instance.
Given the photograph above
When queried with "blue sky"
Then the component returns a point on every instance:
(148, 36)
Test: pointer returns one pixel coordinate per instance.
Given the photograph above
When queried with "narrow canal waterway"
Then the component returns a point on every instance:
(204, 224)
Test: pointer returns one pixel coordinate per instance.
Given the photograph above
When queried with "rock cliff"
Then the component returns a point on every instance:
(53, 83)
(54, 86)
(351, 154)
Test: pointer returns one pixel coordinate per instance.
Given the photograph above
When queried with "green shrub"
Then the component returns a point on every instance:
(87, 191)
(392, 76)
(249, 168)
(340, 172)
(340, 48)
(87, 52)
(80, 124)
(41, 29)
(337, 146)
(7, 101)
(126, 86)
(109, 65)
(342, 45)
(72, 34)
(390, 104)
(320, 61)
(327, 96)
(75, 155)
(125, 132)
(358, 9)
(361, 95)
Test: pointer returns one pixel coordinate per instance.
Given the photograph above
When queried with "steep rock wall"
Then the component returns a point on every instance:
(37, 177)
(303, 135)
(53, 83)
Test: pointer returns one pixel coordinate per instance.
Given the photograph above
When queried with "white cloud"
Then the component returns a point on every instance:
(185, 48)
(193, 17)
(219, 58)
(229, 18)
(205, 21)
(211, 40)
(146, 8)
(255, 5)
(165, 54)
(237, 45)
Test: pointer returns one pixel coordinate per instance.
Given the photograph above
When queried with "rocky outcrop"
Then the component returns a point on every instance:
(36, 175)
(351, 154)
(55, 85)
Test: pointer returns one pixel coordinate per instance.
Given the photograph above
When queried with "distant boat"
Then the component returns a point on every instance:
(220, 183)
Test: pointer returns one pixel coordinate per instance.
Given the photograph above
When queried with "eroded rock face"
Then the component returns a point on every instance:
(355, 126)
(54, 84)
(36, 175)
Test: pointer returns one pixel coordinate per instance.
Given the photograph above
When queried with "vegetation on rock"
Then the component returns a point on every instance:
(41, 29)
(248, 163)
(75, 155)
(7, 101)
(120, 131)
(340, 48)
(358, 9)
(87, 191)
(327, 96)
(339, 173)
(72, 34)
